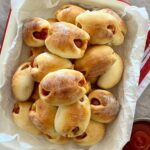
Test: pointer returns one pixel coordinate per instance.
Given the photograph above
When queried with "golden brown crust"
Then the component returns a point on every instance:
(45, 63)
(104, 106)
(94, 133)
(72, 120)
(62, 87)
(113, 75)
(35, 31)
(122, 23)
(68, 13)
(22, 82)
(20, 116)
(102, 30)
(67, 40)
(42, 115)
(96, 61)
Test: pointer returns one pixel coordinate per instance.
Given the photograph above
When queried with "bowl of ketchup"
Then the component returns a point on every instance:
(140, 137)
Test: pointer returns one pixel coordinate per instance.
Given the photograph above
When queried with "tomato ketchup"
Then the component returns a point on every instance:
(140, 137)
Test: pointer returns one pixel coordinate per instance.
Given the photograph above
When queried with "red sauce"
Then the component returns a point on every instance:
(140, 137)
(41, 35)
(16, 109)
(95, 101)
(81, 82)
(78, 43)
(45, 93)
(82, 136)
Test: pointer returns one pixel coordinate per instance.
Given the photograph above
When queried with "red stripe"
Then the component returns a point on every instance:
(146, 54)
(144, 71)
(1, 45)
(148, 40)
(125, 1)
(146, 68)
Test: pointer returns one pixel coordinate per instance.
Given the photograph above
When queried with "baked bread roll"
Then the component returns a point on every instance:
(122, 24)
(22, 82)
(20, 116)
(62, 87)
(42, 116)
(113, 75)
(68, 13)
(67, 40)
(94, 133)
(45, 63)
(105, 29)
(34, 52)
(96, 61)
(73, 120)
(35, 31)
(104, 106)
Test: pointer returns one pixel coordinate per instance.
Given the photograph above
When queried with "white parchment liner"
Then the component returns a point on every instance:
(118, 133)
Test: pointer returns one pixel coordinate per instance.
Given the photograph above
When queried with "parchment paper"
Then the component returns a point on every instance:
(118, 132)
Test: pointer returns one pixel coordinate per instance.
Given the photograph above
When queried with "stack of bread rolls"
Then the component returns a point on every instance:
(61, 90)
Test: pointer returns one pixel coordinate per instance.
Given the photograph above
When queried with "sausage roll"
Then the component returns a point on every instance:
(67, 40)
(62, 87)
(123, 26)
(20, 114)
(73, 120)
(35, 31)
(104, 106)
(105, 29)
(22, 82)
(96, 61)
(113, 75)
(94, 133)
(42, 116)
(45, 63)
(68, 13)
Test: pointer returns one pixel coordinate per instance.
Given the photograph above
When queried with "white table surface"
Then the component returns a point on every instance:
(143, 104)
